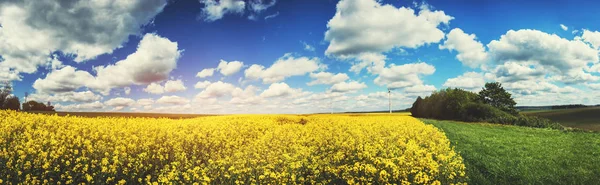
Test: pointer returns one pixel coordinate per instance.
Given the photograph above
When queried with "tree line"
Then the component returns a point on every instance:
(8, 101)
(492, 104)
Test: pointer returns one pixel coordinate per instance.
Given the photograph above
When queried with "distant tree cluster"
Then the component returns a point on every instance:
(492, 104)
(37, 106)
(7, 99)
(11, 102)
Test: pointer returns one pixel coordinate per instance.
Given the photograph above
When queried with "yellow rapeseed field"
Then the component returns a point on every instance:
(236, 149)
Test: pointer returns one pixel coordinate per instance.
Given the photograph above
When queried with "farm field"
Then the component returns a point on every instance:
(583, 118)
(499, 154)
(121, 114)
(233, 149)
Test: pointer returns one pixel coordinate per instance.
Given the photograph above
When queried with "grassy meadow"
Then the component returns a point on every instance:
(501, 154)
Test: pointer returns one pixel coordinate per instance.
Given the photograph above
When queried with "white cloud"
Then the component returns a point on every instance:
(279, 90)
(594, 86)
(169, 87)
(256, 7)
(401, 76)
(388, 27)
(374, 62)
(327, 78)
(63, 80)
(127, 90)
(154, 88)
(206, 73)
(564, 58)
(420, 89)
(470, 52)
(172, 100)
(32, 30)
(283, 68)
(272, 16)
(92, 106)
(214, 10)
(84, 96)
(153, 61)
(348, 86)
(513, 71)
(202, 85)
(469, 81)
(592, 37)
(246, 96)
(174, 86)
(563, 27)
(120, 102)
(229, 68)
(216, 90)
(307, 47)
(145, 102)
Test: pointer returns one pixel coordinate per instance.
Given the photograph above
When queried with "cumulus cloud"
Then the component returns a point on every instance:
(145, 102)
(169, 87)
(327, 78)
(472, 81)
(246, 96)
(283, 68)
(565, 58)
(470, 51)
(153, 61)
(32, 30)
(513, 72)
(563, 27)
(388, 27)
(229, 68)
(420, 89)
(214, 10)
(401, 76)
(120, 102)
(279, 90)
(216, 90)
(594, 86)
(206, 73)
(172, 100)
(80, 97)
(202, 85)
(154, 88)
(591, 37)
(174, 86)
(92, 106)
(63, 80)
(348, 86)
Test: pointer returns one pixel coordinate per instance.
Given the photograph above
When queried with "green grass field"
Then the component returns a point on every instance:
(584, 118)
(500, 154)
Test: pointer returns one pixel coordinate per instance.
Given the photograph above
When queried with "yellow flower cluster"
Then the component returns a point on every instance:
(236, 149)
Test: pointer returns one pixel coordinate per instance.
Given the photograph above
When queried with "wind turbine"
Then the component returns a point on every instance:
(390, 99)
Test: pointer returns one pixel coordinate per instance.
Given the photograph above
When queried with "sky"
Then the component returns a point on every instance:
(294, 56)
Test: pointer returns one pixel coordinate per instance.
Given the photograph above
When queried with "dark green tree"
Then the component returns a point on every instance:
(7, 100)
(494, 94)
(414, 110)
(36, 106)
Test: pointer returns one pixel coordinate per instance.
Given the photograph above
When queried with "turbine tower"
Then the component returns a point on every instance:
(390, 99)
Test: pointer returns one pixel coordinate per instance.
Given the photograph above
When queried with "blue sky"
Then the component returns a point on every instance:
(295, 56)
